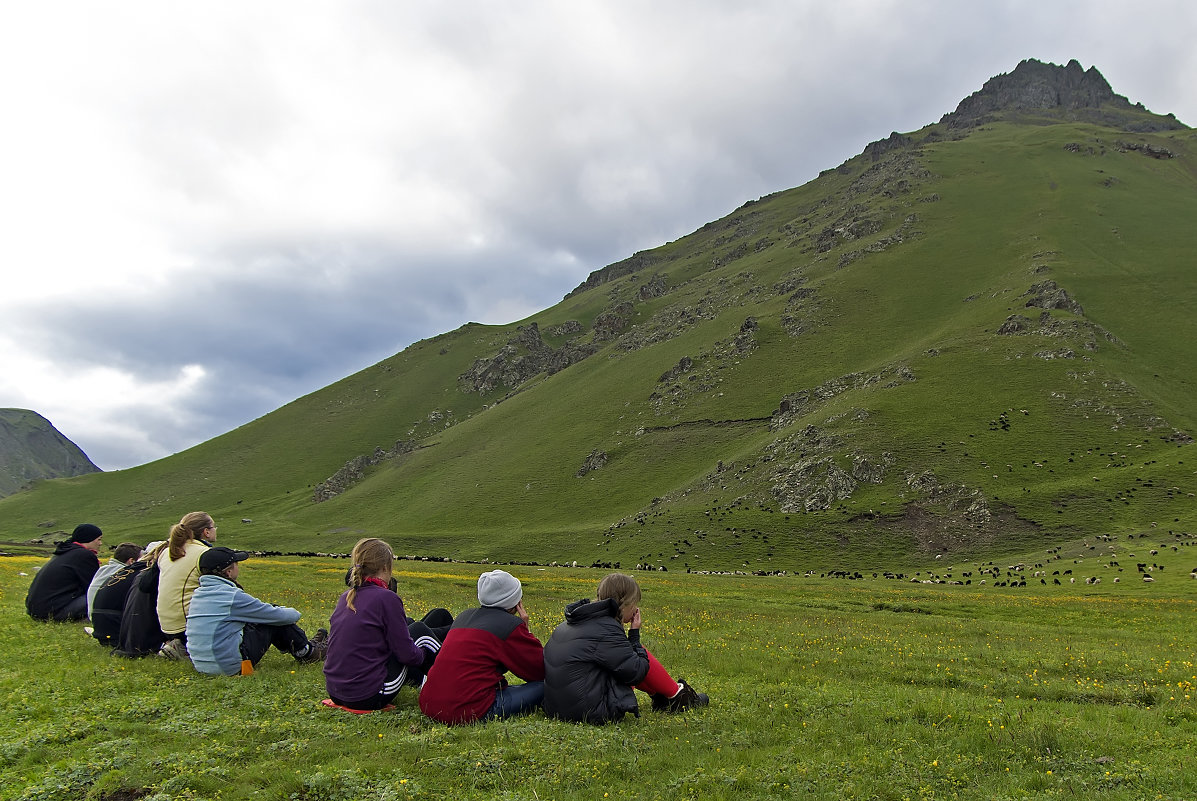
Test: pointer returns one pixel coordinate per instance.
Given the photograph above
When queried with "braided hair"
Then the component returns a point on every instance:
(371, 557)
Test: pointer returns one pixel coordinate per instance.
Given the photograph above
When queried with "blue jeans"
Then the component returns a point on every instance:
(516, 699)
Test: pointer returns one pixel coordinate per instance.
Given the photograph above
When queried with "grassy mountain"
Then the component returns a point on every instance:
(31, 449)
(975, 338)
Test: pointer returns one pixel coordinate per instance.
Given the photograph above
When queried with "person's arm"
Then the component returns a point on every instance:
(622, 654)
(394, 624)
(84, 569)
(248, 609)
(523, 653)
(147, 580)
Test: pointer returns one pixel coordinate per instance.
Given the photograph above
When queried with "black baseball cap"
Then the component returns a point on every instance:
(218, 557)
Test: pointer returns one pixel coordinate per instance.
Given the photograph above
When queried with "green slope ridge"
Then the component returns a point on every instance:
(963, 341)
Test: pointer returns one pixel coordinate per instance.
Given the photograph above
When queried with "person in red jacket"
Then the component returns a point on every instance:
(467, 681)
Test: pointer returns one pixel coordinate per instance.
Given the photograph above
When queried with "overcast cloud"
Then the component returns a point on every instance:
(210, 209)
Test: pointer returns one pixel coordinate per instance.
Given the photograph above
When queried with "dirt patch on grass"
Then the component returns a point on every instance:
(936, 531)
(126, 795)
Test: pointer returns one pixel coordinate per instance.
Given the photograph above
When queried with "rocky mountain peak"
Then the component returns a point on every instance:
(1035, 86)
(31, 449)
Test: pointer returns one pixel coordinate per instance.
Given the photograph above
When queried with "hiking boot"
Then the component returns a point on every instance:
(317, 647)
(174, 650)
(687, 698)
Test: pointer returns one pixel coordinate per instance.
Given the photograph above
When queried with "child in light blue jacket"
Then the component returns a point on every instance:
(229, 630)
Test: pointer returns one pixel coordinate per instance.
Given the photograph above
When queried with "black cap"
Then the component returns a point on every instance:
(217, 558)
(86, 532)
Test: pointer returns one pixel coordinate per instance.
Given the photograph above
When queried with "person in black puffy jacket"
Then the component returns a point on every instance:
(592, 667)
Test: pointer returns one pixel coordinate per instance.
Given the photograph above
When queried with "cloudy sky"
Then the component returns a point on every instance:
(210, 209)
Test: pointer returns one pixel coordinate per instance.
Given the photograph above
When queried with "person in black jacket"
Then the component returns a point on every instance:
(140, 634)
(59, 590)
(108, 604)
(592, 666)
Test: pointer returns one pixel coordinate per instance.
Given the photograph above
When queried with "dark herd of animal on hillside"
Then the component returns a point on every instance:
(1015, 575)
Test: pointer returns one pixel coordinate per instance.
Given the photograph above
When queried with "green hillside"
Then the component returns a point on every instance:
(976, 338)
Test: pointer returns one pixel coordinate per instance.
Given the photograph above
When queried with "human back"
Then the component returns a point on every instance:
(592, 666)
(229, 630)
(140, 633)
(59, 589)
(108, 604)
(374, 648)
(178, 567)
(467, 682)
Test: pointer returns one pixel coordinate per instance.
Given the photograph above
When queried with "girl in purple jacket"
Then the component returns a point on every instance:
(374, 648)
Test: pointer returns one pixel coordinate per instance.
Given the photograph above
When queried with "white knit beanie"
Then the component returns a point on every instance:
(499, 589)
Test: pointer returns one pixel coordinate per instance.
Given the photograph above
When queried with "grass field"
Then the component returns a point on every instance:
(821, 688)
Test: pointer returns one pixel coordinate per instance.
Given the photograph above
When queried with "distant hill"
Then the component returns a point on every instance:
(970, 340)
(31, 449)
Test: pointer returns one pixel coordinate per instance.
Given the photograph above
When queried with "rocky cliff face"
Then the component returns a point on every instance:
(31, 448)
(1070, 90)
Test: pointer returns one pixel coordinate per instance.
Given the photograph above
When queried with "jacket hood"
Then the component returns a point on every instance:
(586, 609)
(66, 546)
(210, 579)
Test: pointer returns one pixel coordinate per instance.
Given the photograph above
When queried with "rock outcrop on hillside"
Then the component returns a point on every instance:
(527, 354)
(31, 449)
(355, 469)
(1034, 86)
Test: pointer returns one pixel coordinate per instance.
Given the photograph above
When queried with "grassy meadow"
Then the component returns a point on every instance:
(821, 688)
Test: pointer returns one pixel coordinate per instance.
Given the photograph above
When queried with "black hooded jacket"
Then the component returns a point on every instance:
(109, 604)
(61, 580)
(591, 665)
(139, 633)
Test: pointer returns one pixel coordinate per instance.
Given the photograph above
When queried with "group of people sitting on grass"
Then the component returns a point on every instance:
(177, 598)
(181, 599)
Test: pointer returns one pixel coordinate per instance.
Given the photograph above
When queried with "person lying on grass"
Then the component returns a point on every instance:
(467, 683)
(591, 665)
(374, 648)
(229, 630)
